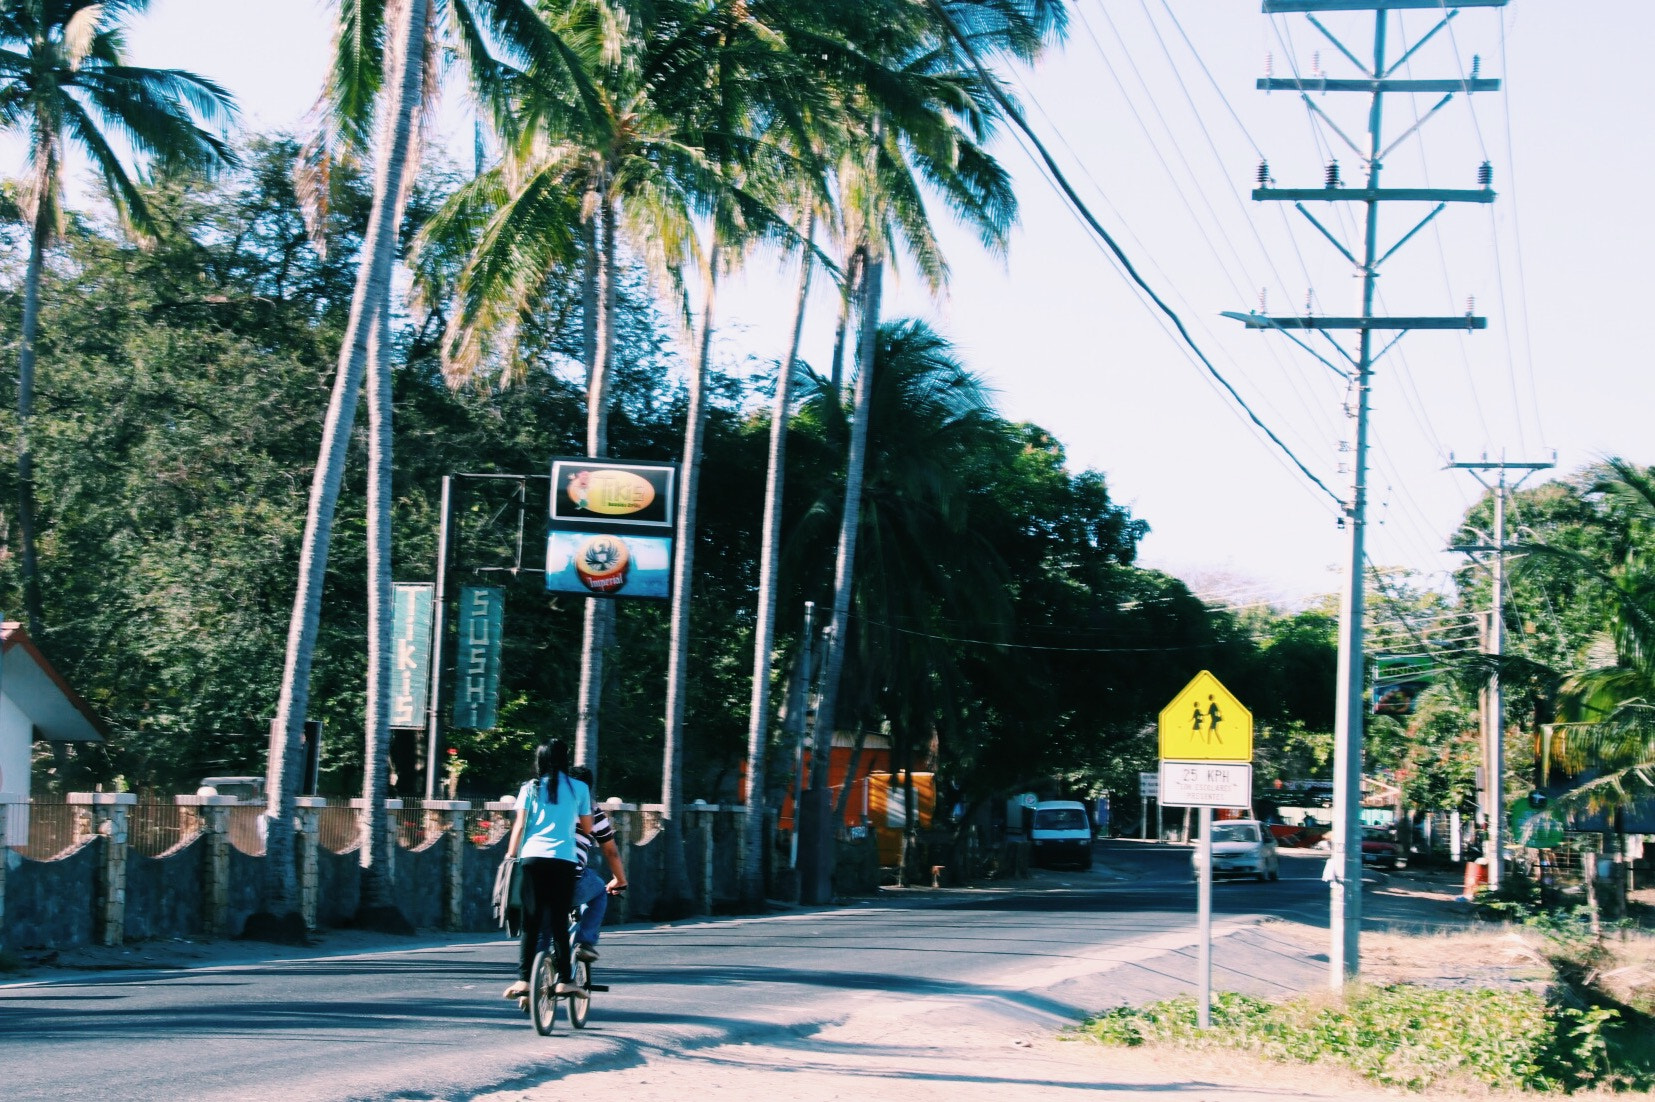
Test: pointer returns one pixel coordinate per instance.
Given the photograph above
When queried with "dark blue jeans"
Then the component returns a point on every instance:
(548, 895)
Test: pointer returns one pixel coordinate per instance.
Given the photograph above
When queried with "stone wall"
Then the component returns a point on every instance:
(165, 895)
(102, 893)
(49, 904)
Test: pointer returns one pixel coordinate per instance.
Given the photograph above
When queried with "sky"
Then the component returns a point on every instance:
(1151, 108)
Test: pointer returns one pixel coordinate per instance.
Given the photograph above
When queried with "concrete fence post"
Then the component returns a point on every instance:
(215, 833)
(108, 815)
(621, 816)
(309, 824)
(446, 819)
(703, 819)
(391, 809)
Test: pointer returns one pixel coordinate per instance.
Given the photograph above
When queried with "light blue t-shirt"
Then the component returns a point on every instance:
(549, 828)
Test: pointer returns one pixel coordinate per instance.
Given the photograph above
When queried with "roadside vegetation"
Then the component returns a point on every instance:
(1574, 1012)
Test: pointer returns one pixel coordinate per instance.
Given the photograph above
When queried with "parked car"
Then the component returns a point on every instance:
(1379, 848)
(1241, 847)
(1061, 833)
(242, 788)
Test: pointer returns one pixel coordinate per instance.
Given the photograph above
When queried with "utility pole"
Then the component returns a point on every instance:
(1494, 742)
(1375, 81)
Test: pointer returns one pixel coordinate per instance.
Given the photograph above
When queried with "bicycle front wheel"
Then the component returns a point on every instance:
(581, 1002)
(543, 994)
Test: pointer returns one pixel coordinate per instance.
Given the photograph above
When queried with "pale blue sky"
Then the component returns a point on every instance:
(1147, 139)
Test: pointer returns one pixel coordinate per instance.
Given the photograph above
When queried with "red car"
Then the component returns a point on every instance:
(1379, 848)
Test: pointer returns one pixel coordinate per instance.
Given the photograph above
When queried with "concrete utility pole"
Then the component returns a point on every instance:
(1375, 82)
(1494, 743)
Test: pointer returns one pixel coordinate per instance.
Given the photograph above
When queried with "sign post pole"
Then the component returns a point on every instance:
(1204, 909)
(1206, 747)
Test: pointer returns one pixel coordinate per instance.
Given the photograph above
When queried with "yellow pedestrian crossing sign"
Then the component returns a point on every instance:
(1205, 722)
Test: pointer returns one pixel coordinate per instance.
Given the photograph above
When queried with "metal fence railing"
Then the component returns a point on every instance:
(336, 826)
(51, 828)
(155, 826)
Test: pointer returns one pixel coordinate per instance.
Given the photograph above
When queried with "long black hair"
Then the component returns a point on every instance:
(551, 766)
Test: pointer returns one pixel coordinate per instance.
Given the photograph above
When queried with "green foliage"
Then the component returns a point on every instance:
(1401, 1035)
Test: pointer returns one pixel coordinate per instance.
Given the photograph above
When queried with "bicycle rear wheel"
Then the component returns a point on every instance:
(543, 994)
(581, 1002)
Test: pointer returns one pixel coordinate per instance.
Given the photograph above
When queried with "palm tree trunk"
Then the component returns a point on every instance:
(369, 302)
(817, 869)
(374, 853)
(33, 607)
(598, 299)
(764, 628)
(853, 270)
(675, 895)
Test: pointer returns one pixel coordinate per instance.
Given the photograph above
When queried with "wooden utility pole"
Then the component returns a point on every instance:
(1374, 79)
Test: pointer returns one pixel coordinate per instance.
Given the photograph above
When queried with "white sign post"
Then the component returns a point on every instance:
(1206, 738)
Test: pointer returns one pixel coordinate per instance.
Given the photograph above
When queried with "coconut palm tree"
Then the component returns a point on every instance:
(382, 74)
(65, 82)
(1608, 707)
(926, 125)
(594, 164)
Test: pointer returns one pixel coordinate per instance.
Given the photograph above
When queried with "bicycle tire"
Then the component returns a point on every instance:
(543, 994)
(580, 1004)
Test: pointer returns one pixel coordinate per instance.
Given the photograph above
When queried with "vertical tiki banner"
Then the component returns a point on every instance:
(611, 529)
(410, 653)
(477, 661)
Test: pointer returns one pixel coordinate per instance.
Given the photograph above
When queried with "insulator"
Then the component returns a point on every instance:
(1470, 305)
(1333, 174)
(1309, 301)
(1263, 300)
(1485, 174)
(1269, 63)
(1263, 173)
(1316, 64)
(1476, 65)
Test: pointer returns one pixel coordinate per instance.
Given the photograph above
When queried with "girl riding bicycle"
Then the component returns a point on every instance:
(549, 810)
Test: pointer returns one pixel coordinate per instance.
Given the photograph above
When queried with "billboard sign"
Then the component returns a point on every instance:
(410, 653)
(611, 530)
(596, 495)
(1398, 682)
(477, 677)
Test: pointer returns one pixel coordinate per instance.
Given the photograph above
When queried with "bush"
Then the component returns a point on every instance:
(1401, 1035)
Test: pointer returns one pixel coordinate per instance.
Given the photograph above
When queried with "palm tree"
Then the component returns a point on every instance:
(381, 46)
(926, 568)
(64, 81)
(594, 162)
(925, 128)
(1608, 707)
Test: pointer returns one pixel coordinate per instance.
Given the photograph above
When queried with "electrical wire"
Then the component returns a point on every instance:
(1056, 174)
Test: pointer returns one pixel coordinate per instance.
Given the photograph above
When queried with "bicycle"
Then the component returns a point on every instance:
(541, 1001)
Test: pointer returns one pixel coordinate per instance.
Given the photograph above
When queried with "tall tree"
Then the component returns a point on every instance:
(381, 46)
(65, 82)
(925, 124)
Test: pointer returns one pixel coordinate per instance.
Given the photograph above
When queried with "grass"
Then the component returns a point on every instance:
(1540, 1006)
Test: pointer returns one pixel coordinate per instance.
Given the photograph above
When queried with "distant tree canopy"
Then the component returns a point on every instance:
(999, 614)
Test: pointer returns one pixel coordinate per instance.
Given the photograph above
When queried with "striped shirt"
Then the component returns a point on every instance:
(591, 845)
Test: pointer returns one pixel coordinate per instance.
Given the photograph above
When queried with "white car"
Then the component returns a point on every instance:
(1241, 847)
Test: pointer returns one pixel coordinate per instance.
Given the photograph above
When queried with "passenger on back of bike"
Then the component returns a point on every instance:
(591, 892)
(550, 809)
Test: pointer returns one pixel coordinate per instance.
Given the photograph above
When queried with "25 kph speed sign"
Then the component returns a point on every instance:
(1206, 784)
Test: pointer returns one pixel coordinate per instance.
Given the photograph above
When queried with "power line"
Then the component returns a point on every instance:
(1016, 115)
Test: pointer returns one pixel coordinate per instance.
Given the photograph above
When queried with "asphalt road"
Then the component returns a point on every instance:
(428, 1022)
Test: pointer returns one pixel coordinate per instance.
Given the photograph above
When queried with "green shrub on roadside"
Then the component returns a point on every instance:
(1401, 1035)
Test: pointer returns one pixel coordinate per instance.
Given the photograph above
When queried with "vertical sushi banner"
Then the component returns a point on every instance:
(611, 528)
(477, 674)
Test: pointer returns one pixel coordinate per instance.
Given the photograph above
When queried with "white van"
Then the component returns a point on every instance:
(1061, 834)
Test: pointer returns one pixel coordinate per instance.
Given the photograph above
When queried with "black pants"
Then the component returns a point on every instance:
(548, 894)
